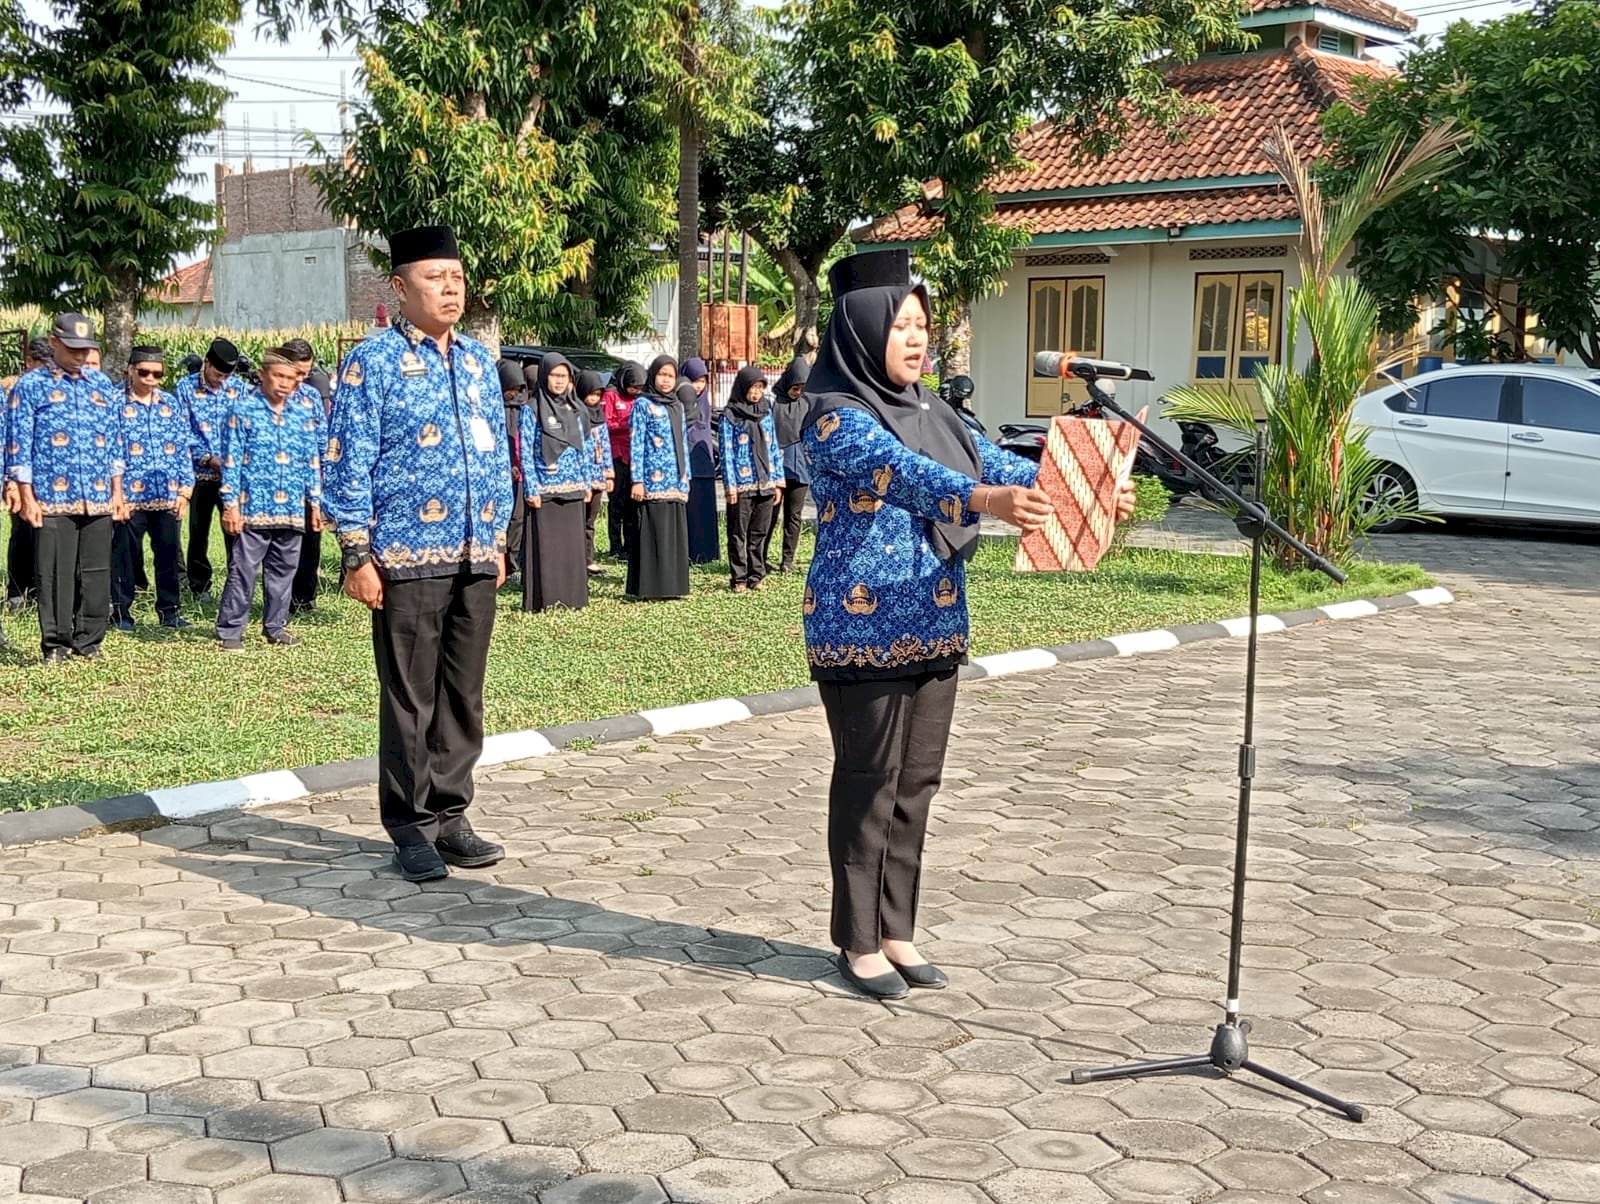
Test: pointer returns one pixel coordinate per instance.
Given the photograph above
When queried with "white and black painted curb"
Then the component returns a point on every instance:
(285, 785)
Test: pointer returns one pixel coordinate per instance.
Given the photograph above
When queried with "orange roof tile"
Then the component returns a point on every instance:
(1374, 11)
(184, 287)
(1245, 95)
(1138, 211)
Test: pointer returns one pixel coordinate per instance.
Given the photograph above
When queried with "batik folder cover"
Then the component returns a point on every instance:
(1086, 462)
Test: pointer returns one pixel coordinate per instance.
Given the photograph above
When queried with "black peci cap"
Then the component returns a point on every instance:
(222, 355)
(149, 353)
(422, 242)
(870, 269)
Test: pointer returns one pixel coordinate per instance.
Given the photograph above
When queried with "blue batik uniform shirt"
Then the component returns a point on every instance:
(739, 469)
(159, 459)
(879, 600)
(271, 460)
(574, 471)
(418, 465)
(65, 440)
(652, 453)
(208, 409)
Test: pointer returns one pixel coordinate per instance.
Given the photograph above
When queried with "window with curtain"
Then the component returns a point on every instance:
(1237, 324)
(1063, 315)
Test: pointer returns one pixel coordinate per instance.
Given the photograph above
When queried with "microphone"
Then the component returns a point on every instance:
(1062, 364)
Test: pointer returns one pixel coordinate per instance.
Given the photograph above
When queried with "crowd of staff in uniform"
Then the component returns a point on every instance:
(94, 468)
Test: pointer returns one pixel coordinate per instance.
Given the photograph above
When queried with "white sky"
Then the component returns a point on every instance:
(281, 89)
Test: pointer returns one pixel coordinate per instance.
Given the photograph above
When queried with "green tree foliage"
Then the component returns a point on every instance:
(1527, 87)
(911, 91)
(771, 181)
(92, 203)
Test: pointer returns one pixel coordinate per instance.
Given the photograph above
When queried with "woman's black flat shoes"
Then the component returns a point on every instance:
(927, 976)
(879, 986)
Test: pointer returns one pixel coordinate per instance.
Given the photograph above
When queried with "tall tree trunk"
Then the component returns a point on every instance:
(807, 301)
(688, 237)
(481, 321)
(955, 340)
(120, 313)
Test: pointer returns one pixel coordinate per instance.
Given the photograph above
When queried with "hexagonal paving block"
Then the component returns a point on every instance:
(211, 1162)
(90, 1106)
(687, 1114)
(153, 1193)
(521, 1169)
(400, 1181)
(946, 1158)
(329, 1152)
(640, 1153)
(145, 1072)
(782, 1105)
(606, 1189)
(450, 1137)
(753, 1140)
(1027, 1185)
(35, 1141)
(282, 1189)
(722, 1181)
(147, 1134)
(488, 1098)
(838, 1169)
(78, 1174)
(381, 1111)
(1043, 1149)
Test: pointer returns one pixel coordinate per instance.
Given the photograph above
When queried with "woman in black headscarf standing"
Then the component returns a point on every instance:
(788, 409)
(694, 387)
(751, 475)
(591, 392)
(658, 560)
(900, 484)
(557, 479)
(514, 389)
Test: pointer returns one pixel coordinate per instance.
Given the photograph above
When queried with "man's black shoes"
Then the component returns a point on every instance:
(468, 850)
(419, 862)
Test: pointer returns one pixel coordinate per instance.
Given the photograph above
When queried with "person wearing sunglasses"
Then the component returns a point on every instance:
(158, 481)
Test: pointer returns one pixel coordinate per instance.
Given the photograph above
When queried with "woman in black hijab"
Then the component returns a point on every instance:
(751, 476)
(658, 560)
(900, 484)
(627, 382)
(788, 411)
(694, 387)
(514, 389)
(557, 480)
(591, 393)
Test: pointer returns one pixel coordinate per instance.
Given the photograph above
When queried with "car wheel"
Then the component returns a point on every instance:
(1390, 486)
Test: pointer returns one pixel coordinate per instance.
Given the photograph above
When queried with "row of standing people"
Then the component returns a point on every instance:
(93, 469)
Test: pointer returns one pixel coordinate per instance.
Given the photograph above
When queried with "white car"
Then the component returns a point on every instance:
(1512, 441)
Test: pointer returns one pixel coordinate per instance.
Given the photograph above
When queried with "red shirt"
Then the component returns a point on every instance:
(619, 415)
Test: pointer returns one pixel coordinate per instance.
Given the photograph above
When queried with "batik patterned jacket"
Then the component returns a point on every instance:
(601, 464)
(418, 464)
(271, 462)
(739, 470)
(650, 451)
(879, 601)
(208, 409)
(157, 448)
(65, 440)
(573, 475)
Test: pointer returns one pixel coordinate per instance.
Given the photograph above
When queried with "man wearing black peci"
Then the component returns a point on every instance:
(417, 486)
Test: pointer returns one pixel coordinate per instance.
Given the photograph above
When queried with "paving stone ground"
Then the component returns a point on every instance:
(637, 1006)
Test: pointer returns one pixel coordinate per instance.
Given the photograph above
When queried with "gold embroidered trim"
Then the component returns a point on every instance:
(907, 650)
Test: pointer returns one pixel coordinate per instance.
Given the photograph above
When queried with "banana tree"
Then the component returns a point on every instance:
(1319, 479)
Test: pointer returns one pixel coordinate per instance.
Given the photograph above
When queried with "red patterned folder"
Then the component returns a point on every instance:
(1085, 462)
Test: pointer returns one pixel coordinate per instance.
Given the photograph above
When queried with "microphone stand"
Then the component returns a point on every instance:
(1230, 1045)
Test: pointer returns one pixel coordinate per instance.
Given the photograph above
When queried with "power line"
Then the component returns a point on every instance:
(1461, 6)
(272, 83)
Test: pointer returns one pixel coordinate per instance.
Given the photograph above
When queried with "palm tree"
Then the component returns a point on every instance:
(1319, 477)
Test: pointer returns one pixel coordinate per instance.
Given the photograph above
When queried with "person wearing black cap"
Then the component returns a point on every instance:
(303, 597)
(514, 389)
(900, 484)
(208, 395)
(158, 483)
(417, 485)
(65, 455)
(22, 553)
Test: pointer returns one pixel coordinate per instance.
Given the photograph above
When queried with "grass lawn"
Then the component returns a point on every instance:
(166, 708)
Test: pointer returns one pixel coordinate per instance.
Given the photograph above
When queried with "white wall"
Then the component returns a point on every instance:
(1149, 321)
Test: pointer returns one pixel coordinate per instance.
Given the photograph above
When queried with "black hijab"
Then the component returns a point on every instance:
(671, 399)
(790, 415)
(629, 372)
(741, 411)
(591, 384)
(560, 425)
(850, 373)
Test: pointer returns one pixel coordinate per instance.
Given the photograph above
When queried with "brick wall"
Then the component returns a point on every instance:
(365, 286)
(283, 201)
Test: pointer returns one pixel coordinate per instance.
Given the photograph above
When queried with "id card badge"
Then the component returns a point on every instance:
(482, 436)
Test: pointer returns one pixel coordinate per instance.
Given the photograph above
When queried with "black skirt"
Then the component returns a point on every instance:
(555, 569)
(704, 532)
(658, 560)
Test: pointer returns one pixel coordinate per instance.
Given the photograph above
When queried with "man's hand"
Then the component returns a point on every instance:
(120, 510)
(365, 585)
(535, 502)
(588, 496)
(733, 497)
(182, 508)
(504, 571)
(1127, 499)
(233, 520)
(32, 512)
(13, 497)
(317, 525)
(637, 493)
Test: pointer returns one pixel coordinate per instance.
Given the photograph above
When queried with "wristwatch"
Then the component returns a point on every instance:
(354, 559)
